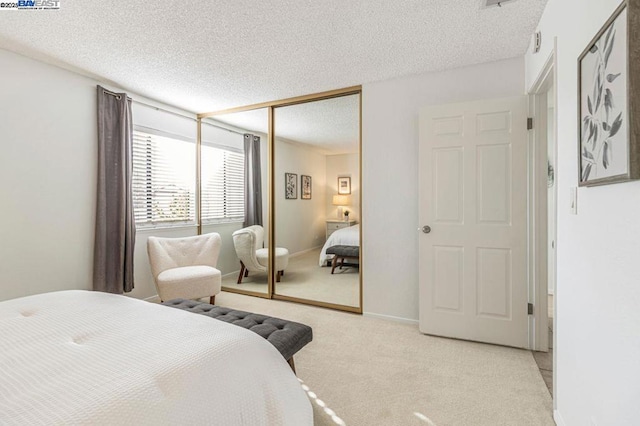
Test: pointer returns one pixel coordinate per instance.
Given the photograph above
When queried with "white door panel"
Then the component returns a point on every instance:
(473, 195)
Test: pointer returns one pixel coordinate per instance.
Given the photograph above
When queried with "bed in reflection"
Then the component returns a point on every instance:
(342, 237)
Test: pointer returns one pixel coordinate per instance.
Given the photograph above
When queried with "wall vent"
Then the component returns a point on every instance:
(537, 42)
(495, 3)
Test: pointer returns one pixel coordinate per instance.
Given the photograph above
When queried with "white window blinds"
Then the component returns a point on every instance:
(222, 184)
(163, 180)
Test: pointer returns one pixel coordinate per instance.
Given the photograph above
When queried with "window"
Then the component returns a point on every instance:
(163, 179)
(222, 184)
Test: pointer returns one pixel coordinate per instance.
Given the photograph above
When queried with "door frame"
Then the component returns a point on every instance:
(538, 226)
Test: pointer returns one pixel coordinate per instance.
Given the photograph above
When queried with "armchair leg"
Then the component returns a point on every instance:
(334, 262)
(246, 272)
(242, 268)
(278, 275)
(212, 300)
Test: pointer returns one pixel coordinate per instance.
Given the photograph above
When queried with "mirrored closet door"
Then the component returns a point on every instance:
(280, 182)
(234, 199)
(317, 202)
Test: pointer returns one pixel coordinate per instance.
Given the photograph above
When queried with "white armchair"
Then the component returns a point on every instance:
(253, 257)
(186, 267)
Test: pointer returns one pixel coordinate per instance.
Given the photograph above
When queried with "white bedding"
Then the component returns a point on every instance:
(346, 237)
(80, 357)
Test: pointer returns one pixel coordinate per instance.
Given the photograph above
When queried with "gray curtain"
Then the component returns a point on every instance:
(252, 181)
(115, 224)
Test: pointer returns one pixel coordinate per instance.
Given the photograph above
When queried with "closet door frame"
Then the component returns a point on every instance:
(271, 106)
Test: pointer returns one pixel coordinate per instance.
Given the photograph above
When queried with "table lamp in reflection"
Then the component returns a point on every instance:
(341, 201)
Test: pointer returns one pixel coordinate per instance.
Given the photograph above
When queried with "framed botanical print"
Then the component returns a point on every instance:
(290, 186)
(305, 187)
(344, 185)
(609, 94)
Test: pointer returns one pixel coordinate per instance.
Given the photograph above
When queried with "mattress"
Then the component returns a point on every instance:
(79, 357)
(342, 237)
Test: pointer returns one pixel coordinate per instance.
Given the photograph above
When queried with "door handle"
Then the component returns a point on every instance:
(426, 229)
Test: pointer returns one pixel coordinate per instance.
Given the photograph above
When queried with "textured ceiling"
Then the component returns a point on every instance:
(210, 55)
(329, 125)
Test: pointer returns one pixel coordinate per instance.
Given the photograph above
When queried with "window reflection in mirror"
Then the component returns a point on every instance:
(235, 194)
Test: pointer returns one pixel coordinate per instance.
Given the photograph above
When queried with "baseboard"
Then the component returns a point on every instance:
(236, 273)
(300, 253)
(391, 318)
(153, 299)
(557, 417)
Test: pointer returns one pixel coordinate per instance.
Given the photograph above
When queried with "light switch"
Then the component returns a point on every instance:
(574, 200)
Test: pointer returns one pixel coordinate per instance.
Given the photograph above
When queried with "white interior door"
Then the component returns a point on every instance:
(473, 196)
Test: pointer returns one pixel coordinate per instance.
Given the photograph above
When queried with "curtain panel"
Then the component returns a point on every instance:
(115, 225)
(252, 181)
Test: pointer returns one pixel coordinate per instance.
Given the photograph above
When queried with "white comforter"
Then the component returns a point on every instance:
(79, 357)
(346, 237)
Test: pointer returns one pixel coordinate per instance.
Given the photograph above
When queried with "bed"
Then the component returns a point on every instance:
(342, 237)
(81, 357)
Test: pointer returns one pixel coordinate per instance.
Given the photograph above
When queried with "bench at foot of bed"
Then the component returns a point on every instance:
(340, 253)
(287, 336)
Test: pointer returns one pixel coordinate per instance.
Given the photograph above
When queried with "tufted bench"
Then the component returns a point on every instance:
(287, 336)
(341, 253)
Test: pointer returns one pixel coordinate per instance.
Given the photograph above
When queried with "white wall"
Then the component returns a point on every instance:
(47, 177)
(300, 224)
(598, 290)
(48, 135)
(339, 166)
(390, 173)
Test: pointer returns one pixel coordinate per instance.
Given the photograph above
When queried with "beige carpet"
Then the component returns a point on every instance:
(545, 359)
(304, 279)
(375, 372)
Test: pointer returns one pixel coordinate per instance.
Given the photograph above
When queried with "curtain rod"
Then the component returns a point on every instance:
(165, 110)
(224, 128)
(172, 112)
(115, 95)
(186, 117)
